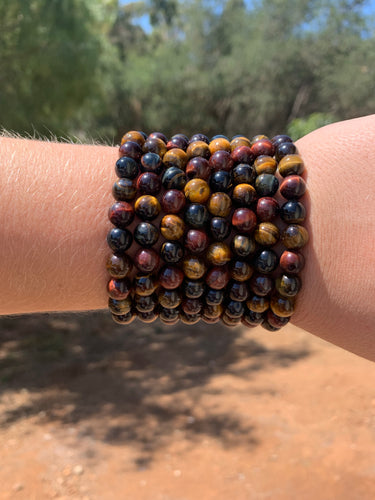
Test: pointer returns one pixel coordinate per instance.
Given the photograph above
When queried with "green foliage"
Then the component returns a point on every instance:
(299, 127)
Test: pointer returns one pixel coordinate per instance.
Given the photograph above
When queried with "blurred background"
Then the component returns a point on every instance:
(92, 411)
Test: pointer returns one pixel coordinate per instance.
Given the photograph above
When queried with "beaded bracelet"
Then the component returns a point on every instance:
(214, 229)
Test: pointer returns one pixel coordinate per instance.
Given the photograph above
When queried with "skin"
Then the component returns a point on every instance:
(54, 202)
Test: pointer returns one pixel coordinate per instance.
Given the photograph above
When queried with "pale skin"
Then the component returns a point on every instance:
(53, 207)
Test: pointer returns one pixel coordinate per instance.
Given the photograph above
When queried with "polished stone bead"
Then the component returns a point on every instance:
(219, 144)
(196, 241)
(266, 261)
(266, 185)
(241, 270)
(292, 262)
(124, 189)
(149, 183)
(258, 137)
(159, 135)
(171, 252)
(261, 284)
(119, 266)
(293, 211)
(146, 234)
(146, 260)
(198, 148)
(244, 195)
(257, 303)
(219, 136)
(193, 289)
(119, 288)
(234, 309)
(131, 149)
(293, 187)
(291, 164)
(238, 141)
(282, 306)
(243, 174)
(242, 154)
(210, 321)
(147, 207)
(155, 145)
(175, 158)
(219, 204)
(173, 201)
(198, 167)
(294, 237)
(147, 317)
(151, 162)
(170, 277)
(266, 234)
(127, 168)
(251, 318)
(174, 178)
(194, 268)
(267, 209)
(218, 277)
(197, 191)
(178, 141)
(221, 181)
(285, 149)
(122, 306)
(267, 326)
(168, 315)
(191, 306)
(189, 319)
(145, 284)
(214, 297)
(124, 319)
(238, 290)
(221, 160)
(244, 220)
(263, 147)
(280, 139)
(288, 285)
(145, 303)
(119, 240)
(169, 298)
(172, 227)
(243, 245)
(213, 311)
(218, 254)
(199, 137)
(276, 321)
(230, 321)
(121, 214)
(265, 165)
(220, 228)
(134, 136)
(196, 216)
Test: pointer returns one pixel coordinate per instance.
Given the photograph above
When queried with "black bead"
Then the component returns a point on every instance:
(126, 167)
(266, 185)
(167, 314)
(174, 178)
(171, 252)
(146, 234)
(238, 290)
(151, 162)
(221, 181)
(243, 245)
(284, 149)
(193, 289)
(252, 318)
(214, 297)
(244, 174)
(266, 261)
(145, 303)
(220, 228)
(293, 212)
(149, 183)
(169, 298)
(196, 215)
(119, 240)
(234, 309)
(269, 327)
(280, 139)
(261, 284)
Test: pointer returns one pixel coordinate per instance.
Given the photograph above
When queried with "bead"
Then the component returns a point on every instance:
(189, 319)
(144, 284)
(210, 321)
(276, 321)
(217, 277)
(196, 215)
(134, 136)
(121, 214)
(266, 234)
(145, 303)
(293, 211)
(243, 174)
(119, 240)
(147, 317)
(175, 158)
(213, 311)
(285, 149)
(292, 262)
(169, 298)
(267, 326)
(219, 204)
(147, 207)
(218, 254)
(151, 162)
(118, 288)
(199, 137)
(294, 237)
(288, 286)
(174, 178)
(148, 183)
(267, 209)
(131, 149)
(119, 266)
(124, 189)
(196, 240)
(177, 142)
(214, 297)
(170, 277)
(173, 201)
(193, 289)
(234, 309)
(266, 185)
(147, 260)
(194, 268)
(124, 319)
(258, 303)
(168, 315)
(155, 145)
(198, 167)
(218, 144)
(251, 318)
(220, 228)
(257, 138)
(238, 290)
(291, 164)
(244, 220)
(266, 261)
(263, 147)
(239, 141)
(197, 191)
(198, 148)
(171, 252)
(221, 160)
(243, 154)
(241, 270)
(172, 227)
(280, 139)
(158, 135)
(261, 284)
(221, 181)
(244, 195)
(242, 245)
(282, 306)
(122, 306)
(146, 234)
(265, 165)
(219, 136)
(230, 321)
(191, 306)
(126, 167)
(292, 187)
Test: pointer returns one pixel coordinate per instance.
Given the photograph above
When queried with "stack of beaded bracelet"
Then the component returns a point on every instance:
(214, 228)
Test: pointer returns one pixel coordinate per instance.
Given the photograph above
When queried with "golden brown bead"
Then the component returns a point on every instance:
(213, 311)
(120, 306)
(265, 165)
(147, 207)
(291, 165)
(175, 158)
(194, 268)
(119, 266)
(294, 237)
(241, 270)
(155, 145)
(133, 135)
(266, 234)
(258, 304)
(244, 195)
(220, 204)
(169, 298)
(282, 306)
(197, 191)
(198, 148)
(219, 144)
(239, 141)
(172, 227)
(218, 254)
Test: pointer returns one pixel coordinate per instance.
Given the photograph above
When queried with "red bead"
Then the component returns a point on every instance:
(218, 277)
(244, 220)
(263, 147)
(171, 277)
(267, 209)
(146, 260)
(196, 241)
(243, 154)
(221, 160)
(121, 214)
(131, 149)
(148, 183)
(292, 187)
(118, 288)
(173, 201)
(198, 167)
(292, 262)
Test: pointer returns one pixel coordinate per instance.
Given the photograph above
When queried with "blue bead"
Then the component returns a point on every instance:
(126, 167)
(119, 240)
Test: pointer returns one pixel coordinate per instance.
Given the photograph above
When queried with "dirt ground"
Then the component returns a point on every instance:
(91, 410)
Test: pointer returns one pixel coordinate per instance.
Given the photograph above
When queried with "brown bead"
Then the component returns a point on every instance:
(119, 288)
(218, 254)
(219, 144)
(241, 270)
(197, 191)
(147, 260)
(257, 138)
(124, 189)
(292, 187)
(261, 284)
(263, 147)
(124, 319)
(147, 207)
(267, 208)
(145, 284)
(155, 145)
(288, 286)
(239, 291)
(243, 246)
(170, 277)
(219, 204)
(194, 268)
(121, 214)
(196, 240)
(191, 306)
(189, 319)
(134, 136)
(210, 321)
(169, 298)
(238, 142)
(243, 154)
(258, 304)
(282, 306)
(198, 148)
(244, 220)
(265, 165)
(147, 317)
(173, 201)
(291, 165)
(120, 306)
(244, 195)
(266, 234)
(276, 321)
(198, 167)
(175, 158)
(294, 236)
(218, 277)
(292, 262)
(145, 303)
(213, 311)
(119, 266)
(230, 321)
(172, 227)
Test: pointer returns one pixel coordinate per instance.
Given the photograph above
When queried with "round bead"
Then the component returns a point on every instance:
(155, 145)
(241, 270)
(276, 321)
(219, 204)
(261, 284)
(294, 237)
(267, 209)
(284, 149)
(174, 178)
(131, 149)
(266, 185)
(119, 266)
(158, 135)
(194, 268)
(148, 183)
(147, 317)
(173, 201)
(134, 136)
(124, 319)
(218, 144)
(219, 136)
(267, 326)
(198, 148)
(266, 234)
(220, 228)
(258, 303)
(144, 284)
(172, 227)
(265, 165)
(171, 252)
(193, 289)
(175, 158)
(168, 315)
(244, 220)
(118, 288)
(196, 241)
(197, 191)
(291, 165)
(145, 303)
(151, 162)
(263, 147)
(170, 277)
(258, 137)
(221, 181)
(292, 187)
(196, 215)
(191, 306)
(251, 318)
(213, 311)
(293, 211)
(292, 262)
(199, 137)
(189, 319)
(238, 141)
(238, 290)
(169, 298)
(282, 306)
(122, 306)
(126, 167)
(124, 189)
(243, 154)
(146, 234)
(243, 174)
(288, 286)
(147, 207)
(214, 297)
(121, 214)
(218, 254)
(146, 260)
(280, 139)
(221, 160)
(234, 309)
(198, 167)
(179, 142)
(217, 277)
(266, 261)
(242, 245)
(244, 195)
(119, 240)
(230, 321)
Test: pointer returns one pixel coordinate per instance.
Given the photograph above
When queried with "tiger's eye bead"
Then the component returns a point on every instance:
(243, 245)
(168, 316)
(179, 142)
(261, 284)
(282, 306)
(124, 189)
(265, 165)
(241, 270)
(218, 277)
(151, 162)
(145, 303)
(196, 215)
(219, 136)
(194, 268)
(119, 266)
(238, 290)
(170, 277)
(234, 309)
(239, 141)
(266, 261)
(198, 148)
(285, 149)
(214, 297)
(146, 234)
(267, 326)
(221, 160)
(124, 319)
(257, 138)
(196, 241)
(148, 183)
(230, 321)
(291, 164)
(219, 144)
(121, 214)
(294, 237)
(267, 209)
(131, 149)
(198, 167)
(280, 139)
(172, 227)
(220, 228)
(242, 154)
(189, 319)
(244, 220)
(199, 137)
(266, 234)
(174, 178)
(251, 318)
(173, 201)
(197, 191)
(134, 136)
(126, 168)
(243, 174)
(169, 298)
(221, 181)
(193, 289)
(258, 303)
(118, 288)
(292, 187)
(119, 240)
(218, 254)
(293, 211)
(144, 284)
(191, 306)
(147, 207)
(213, 311)
(263, 147)
(266, 185)
(122, 306)
(175, 158)
(147, 317)
(288, 286)
(244, 195)
(171, 252)
(292, 262)
(276, 321)
(146, 260)
(155, 145)
(220, 204)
